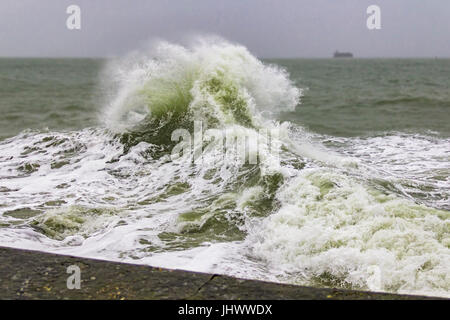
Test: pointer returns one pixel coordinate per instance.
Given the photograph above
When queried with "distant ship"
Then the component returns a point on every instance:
(338, 54)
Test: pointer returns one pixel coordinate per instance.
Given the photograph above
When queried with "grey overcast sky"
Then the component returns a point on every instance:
(269, 28)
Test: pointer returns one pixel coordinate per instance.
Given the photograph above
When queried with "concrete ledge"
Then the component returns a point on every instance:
(28, 274)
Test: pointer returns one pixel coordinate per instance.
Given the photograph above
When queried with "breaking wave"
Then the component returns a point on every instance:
(303, 213)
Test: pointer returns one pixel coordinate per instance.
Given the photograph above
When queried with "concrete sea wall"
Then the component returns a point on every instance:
(28, 274)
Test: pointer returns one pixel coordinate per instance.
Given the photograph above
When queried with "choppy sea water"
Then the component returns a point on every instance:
(354, 193)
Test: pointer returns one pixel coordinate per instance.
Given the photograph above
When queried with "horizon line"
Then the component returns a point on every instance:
(259, 57)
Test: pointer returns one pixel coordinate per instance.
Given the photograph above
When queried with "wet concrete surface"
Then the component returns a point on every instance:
(26, 274)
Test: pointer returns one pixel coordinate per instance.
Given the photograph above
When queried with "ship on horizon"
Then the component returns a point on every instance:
(338, 54)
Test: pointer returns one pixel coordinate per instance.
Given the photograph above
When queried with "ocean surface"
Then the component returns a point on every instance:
(352, 192)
